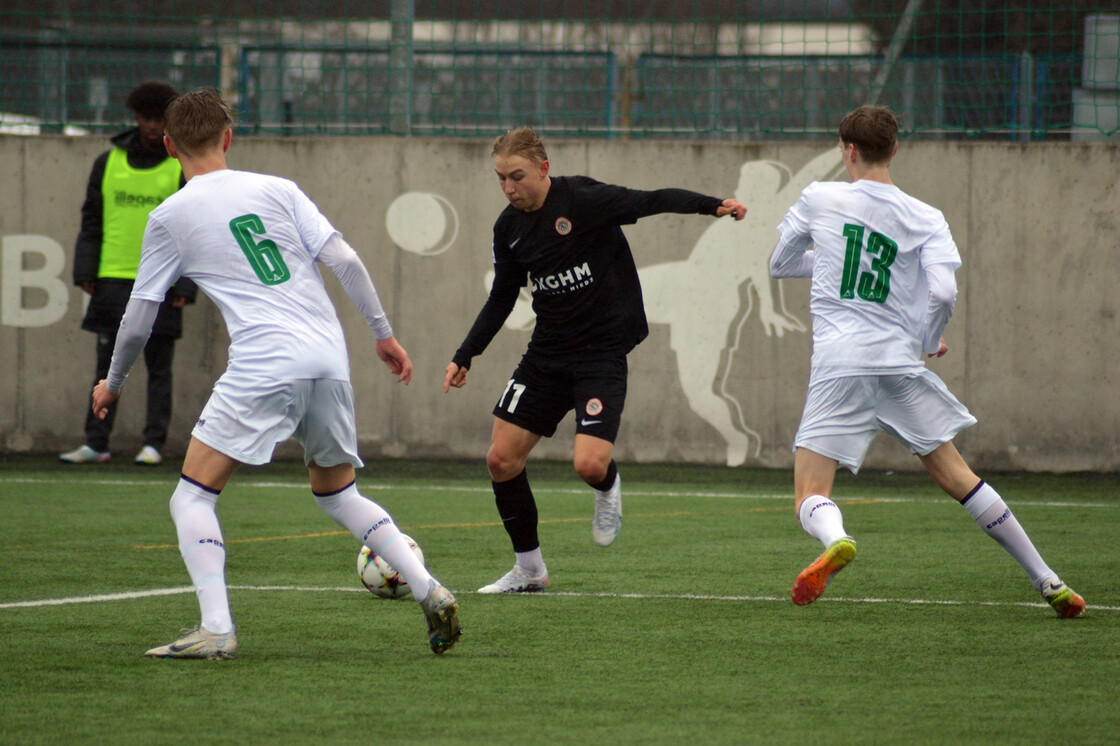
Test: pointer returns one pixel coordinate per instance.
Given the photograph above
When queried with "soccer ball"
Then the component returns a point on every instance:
(381, 579)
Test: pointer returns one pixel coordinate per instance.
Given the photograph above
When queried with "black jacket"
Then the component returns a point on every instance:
(106, 306)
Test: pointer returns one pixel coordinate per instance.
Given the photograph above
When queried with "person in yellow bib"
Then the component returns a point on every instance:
(125, 184)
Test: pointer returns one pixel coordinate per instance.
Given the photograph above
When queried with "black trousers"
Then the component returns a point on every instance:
(157, 359)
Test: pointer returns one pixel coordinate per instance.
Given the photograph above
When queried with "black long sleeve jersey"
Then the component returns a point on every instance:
(573, 255)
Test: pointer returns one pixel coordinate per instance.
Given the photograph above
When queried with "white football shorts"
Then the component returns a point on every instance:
(843, 415)
(246, 417)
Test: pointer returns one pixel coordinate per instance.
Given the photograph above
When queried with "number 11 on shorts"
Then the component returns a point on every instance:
(518, 389)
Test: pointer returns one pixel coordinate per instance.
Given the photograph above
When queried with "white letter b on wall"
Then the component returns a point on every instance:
(14, 278)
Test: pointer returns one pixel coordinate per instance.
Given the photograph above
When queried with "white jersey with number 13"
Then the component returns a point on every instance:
(869, 298)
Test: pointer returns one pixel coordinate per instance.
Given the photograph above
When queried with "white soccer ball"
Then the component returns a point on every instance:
(381, 579)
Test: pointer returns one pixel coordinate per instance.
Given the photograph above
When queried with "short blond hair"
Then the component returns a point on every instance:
(197, 120)
(521, 141)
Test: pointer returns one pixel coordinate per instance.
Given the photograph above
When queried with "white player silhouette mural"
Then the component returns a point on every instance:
(699, 297)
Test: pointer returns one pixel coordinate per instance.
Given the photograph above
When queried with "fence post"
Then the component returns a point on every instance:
(1026, 96)
(401, 18)
(913, 7)
(53, 72)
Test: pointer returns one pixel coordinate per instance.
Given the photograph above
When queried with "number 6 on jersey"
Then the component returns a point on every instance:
(264, 256)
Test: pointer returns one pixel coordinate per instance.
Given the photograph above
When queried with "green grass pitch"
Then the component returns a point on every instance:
(681, 632)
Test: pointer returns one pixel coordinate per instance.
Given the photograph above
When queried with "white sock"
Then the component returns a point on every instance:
(373, 527)
(194, 510)
(991, 513)
(531, 561)
(821, 519)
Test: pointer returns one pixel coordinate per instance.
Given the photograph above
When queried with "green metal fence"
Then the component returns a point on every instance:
(692, 69)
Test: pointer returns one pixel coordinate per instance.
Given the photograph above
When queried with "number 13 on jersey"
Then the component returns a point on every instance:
(872, 286)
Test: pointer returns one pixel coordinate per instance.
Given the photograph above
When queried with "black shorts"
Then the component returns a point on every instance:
(542, 392)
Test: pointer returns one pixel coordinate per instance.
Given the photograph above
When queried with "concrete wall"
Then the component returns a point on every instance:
(720, 380)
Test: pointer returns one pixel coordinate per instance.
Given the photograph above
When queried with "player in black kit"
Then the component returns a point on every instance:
(562, 236)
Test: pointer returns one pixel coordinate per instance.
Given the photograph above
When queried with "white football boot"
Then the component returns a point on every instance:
(442, 611)
(199, 643)
(607, 521)
(518, 580)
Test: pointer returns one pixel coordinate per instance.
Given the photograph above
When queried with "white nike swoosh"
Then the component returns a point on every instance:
(514, 242)
(585, 423)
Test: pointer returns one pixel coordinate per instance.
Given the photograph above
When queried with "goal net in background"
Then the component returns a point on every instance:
(1018, 70)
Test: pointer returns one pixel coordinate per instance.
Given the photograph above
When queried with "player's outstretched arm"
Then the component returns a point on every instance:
(395, 358)
(732, 207)
(455, 376)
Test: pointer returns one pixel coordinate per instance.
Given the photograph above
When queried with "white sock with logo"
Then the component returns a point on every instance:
(372, 526)
(821, 519)
(991, 513)
(194, 510)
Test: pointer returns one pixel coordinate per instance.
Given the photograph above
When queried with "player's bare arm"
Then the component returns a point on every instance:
(455, 376)
(102, 398)
(396, 359)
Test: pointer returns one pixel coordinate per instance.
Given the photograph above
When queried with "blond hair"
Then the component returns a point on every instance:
(522, 141)
(197, 120)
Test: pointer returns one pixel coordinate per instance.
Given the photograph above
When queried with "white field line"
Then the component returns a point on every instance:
(371, 486)
(486, 490)
(129, 595)
(125, 596)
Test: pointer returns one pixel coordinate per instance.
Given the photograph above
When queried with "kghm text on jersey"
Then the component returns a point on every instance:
(564, 282)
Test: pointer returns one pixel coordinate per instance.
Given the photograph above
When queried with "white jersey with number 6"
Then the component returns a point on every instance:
(869, 298)
(250, 241)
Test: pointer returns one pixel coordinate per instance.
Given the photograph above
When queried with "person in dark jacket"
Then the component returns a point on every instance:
(563, 236)
(125, 184)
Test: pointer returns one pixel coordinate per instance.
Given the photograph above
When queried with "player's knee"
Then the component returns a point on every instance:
(501, 466)
(591, 470)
